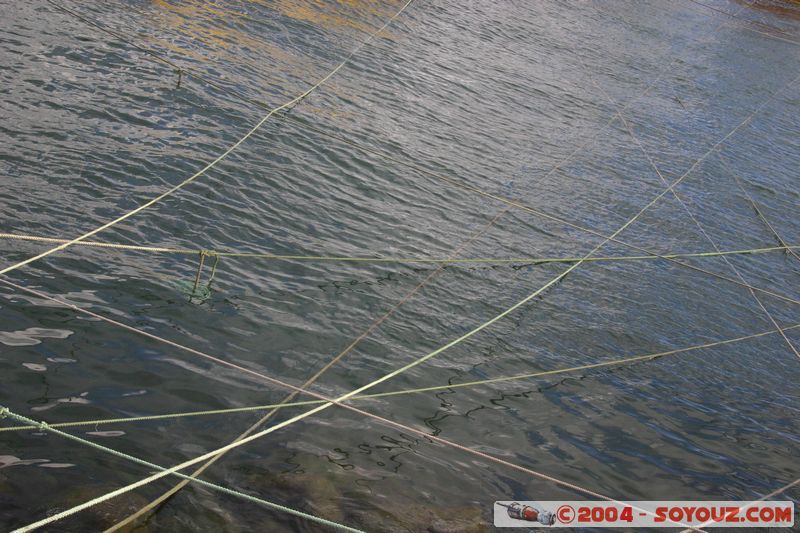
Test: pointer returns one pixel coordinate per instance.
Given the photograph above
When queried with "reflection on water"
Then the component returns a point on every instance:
(9, 460)
(32, 336)
(324, 14)
(210, 29)
(782, 8)
(80, 399)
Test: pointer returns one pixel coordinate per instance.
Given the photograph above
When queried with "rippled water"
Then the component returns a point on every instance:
(491, 94)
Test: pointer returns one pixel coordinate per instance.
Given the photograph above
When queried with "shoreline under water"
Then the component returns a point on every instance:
(496, 133)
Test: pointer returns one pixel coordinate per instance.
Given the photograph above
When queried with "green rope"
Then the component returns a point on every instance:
(43, 426)
(105, 421)
(758, 211)
(502, 260)
(130, 247)
(488, 381)
(362, 259)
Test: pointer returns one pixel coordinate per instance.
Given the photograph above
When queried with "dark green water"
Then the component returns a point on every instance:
(492, 94)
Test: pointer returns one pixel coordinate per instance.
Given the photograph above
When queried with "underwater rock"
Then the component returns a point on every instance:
(102, 515)
(331, 495)
(423, 518)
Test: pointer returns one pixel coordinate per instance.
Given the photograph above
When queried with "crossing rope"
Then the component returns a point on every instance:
(473, 189)
(214, 162)
(700, 227)
(542, 213)
(496, 197)
(450, 386)
(755, 206)
(132, 518)
(580, 260)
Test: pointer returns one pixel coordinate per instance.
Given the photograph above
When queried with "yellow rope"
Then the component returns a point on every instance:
(449, 386)
(242, 441)
(130, 247)
(539, 212)
(213, 163)
(364, 259)
(758, 210)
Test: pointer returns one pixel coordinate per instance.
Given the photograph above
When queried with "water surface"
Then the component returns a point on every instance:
(490, 94)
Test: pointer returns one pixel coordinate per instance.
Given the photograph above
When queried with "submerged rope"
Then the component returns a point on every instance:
(539, 212)
(449, 386)
(4, 411)
(310, 381)
(757, 209)
(0, 272)
(365, 259)
(213, 163)
(151, 55)
(546, 215)
(700, 226)
(338, 357)
(772, 494)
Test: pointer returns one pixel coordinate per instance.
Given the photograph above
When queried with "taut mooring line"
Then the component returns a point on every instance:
(388, 314)
(756, 208)
(544, 214)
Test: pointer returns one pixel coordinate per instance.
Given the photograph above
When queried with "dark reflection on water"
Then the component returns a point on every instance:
(490, 94)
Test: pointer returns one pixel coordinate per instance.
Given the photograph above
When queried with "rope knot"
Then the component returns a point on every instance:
(4, 411)
(43, 426)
